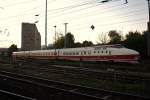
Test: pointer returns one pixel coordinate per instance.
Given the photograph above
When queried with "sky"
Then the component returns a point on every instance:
(79, 14)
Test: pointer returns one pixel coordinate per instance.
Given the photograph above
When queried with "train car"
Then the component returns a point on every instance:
(113, 53)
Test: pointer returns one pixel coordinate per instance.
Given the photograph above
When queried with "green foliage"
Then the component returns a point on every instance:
(115, 37)
(69, 40)
(137, 41)
(87, 43)
(2, 54)
(133, 40)
(11, 49)
(59, 42)
(78, 44)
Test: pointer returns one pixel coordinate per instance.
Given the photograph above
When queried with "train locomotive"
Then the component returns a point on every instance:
(113, 53)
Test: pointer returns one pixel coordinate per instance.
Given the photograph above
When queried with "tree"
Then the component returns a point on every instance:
(78, 44)
(115, 37)
(50, 46)
(87, 43)
(59, 42)
(137, 41)
(102, 38)
(11, 49)
(69, 40)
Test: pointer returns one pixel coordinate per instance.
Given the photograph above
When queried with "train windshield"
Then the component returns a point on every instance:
(109, 46)
(117, 46)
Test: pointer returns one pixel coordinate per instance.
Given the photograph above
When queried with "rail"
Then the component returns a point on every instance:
(74, 90)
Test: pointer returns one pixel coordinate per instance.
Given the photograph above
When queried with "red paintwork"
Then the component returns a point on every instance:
(91, 58)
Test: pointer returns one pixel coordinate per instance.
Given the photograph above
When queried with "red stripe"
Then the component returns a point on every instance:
(90, 58)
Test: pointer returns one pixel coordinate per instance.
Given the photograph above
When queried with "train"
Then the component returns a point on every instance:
(112, 53)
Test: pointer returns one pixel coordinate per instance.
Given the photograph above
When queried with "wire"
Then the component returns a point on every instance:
(103, 10)
(121, 22)
(32, 12)
(127, 15)
(117, 16)
(18, 3)
(116, 27)
(73, 11)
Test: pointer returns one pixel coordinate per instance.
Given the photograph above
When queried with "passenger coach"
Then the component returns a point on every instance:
(116, 53)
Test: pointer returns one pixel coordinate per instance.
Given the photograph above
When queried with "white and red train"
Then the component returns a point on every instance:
(115, 53)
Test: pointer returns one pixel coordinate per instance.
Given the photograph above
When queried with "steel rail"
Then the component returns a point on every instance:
(13, 96)
(76, 89)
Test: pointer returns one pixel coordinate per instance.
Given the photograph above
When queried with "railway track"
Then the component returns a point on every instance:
(110, 75)
(59, 90)
(5, 95)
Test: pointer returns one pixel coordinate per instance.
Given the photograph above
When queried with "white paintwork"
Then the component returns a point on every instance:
(104, 50)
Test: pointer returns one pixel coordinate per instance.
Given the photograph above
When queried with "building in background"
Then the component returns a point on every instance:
(30, 37)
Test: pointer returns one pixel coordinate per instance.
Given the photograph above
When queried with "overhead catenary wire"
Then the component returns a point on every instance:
(118, 15)
(26, 12)
(80, 13)
(32, 12)
(115, 27)
(102, 10)
(122, 16)
(117, 22)
(54, 9)
(130, 14)
(126, 15)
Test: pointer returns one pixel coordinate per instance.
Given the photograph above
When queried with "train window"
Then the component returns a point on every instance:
(97, 51)
(89, 52)
(102, 51)
(77, 53)
(94, 51)
(104, 48)
(106, 51)
(84, 52)
(81, 52)
(109, 52)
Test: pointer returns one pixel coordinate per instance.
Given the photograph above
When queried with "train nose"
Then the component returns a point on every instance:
(134, 52)
(136, 55)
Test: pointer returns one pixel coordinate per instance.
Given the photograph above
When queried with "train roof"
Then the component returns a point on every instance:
(96, 47)
(111, 46)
